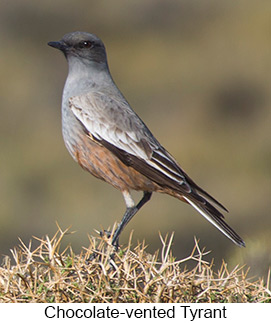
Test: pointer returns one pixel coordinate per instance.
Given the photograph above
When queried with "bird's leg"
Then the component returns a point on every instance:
(131, 210)
(129, 213)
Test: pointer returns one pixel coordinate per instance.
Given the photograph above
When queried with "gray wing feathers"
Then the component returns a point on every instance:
(113, 121)
(116, 123)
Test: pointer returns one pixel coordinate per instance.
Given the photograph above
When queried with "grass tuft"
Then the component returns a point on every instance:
(47, 273)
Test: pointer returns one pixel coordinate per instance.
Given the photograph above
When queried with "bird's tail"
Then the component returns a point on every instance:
(216, 218)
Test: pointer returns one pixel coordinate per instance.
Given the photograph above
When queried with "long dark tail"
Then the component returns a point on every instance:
(216, 218)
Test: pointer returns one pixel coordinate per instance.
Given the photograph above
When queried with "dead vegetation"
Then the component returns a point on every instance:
(46, 274)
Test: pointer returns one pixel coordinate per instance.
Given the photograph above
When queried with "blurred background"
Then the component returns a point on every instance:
(198, 74)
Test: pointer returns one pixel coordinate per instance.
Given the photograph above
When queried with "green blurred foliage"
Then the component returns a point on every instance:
(197, 72)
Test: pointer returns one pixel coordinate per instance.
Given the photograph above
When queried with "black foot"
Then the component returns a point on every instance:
(93, 256)
(96, 253)
(109, 235)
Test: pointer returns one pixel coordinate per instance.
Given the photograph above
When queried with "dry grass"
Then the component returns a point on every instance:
(46, 274)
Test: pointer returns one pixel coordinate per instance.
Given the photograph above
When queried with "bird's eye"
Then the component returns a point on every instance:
(86, 44)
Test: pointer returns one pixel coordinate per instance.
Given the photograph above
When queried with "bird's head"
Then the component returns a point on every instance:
(81, 46)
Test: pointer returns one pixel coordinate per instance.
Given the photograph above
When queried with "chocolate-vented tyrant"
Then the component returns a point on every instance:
(108, 139)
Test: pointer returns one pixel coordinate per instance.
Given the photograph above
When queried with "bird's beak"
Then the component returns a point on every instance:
(58, 44)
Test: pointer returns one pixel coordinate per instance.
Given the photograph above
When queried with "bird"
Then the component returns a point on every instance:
(106, 137)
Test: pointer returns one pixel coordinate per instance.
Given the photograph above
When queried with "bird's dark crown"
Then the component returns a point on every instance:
(81, 40)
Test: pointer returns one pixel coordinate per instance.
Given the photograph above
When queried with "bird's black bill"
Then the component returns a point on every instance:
(58, 45)
(55, 44)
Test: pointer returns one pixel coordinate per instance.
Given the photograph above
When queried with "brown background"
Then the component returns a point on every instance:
(197, 72)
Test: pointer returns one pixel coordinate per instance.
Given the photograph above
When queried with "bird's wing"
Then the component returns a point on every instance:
(111, 120)
(117, 126)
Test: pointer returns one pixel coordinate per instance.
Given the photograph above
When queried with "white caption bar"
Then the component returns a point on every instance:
(135, 312)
